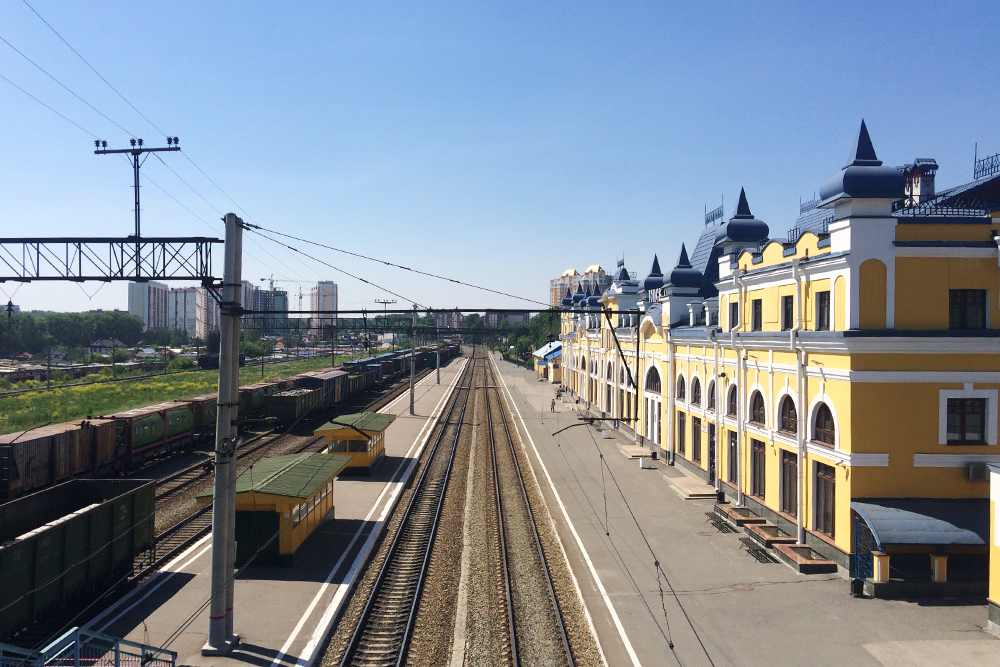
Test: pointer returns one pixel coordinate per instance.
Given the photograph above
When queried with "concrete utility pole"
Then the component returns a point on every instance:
(437, 351)
(413, 355)
(221, 637)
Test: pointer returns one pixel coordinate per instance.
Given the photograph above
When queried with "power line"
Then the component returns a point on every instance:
(398, 266)
(65, 87)
(91, 66)
(254, 228)
(71, 122)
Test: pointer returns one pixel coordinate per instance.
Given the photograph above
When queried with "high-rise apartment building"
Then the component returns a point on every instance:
(275, 301)
(148, 302)
(493, 318)
(448, 319)
(324, 297)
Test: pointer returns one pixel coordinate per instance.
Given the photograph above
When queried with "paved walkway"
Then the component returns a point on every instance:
(744, 612)
(283, 614)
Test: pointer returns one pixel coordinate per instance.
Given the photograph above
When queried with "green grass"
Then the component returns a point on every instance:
(65, 404)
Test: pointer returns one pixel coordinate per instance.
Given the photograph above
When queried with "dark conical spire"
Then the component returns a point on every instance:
(588, 293)
(743, 208)
(863, 153)
(569, 293)
(655, 271)
(579, 288)
(597, 290)
(683, 262)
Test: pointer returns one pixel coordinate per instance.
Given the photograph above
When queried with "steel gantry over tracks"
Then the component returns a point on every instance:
(106, 259)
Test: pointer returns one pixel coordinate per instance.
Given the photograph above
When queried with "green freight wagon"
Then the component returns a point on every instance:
(147, 432)
(71, 542)
(205, 409)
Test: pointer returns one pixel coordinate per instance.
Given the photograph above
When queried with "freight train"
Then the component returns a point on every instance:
(112, 444)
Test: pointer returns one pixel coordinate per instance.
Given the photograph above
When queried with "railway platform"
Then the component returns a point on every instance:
(710, 593)
(283, 614)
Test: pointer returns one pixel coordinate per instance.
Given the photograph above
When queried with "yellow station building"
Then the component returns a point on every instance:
(841, 382)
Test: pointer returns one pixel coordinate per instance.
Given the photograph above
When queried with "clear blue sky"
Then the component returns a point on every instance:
(498, 143)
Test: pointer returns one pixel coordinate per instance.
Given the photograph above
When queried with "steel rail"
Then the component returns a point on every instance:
(352, 655)
(531, 515)
(508, 593)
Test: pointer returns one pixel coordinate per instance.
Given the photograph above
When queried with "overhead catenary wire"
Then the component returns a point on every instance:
(256, 229)
(49, 25)
(71, 122)
(64, 86)
(398, 266)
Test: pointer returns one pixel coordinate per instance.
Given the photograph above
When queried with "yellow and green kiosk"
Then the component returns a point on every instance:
(285, 495)
(361, 436)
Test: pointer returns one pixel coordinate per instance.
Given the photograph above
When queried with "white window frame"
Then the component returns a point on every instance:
(968, 392)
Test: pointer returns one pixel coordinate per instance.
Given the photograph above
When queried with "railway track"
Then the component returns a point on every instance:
(537, 629)
(384, 630)
(514, 615)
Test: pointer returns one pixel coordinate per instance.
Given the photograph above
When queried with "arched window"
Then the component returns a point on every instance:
(757, 410)
(653, 380)
(731, 402)
(680, 387)
(696, 391)
(789, 418)
(611, 373)
(710, 402)
(826, 432)
(621, 375)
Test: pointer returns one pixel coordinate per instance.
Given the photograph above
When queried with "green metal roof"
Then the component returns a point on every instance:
(293, 476)
(371, 422)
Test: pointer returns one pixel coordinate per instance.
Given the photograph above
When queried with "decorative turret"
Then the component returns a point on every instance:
(579, 296)
(863, 177)
(655, 278)
(567, 301)
(684, 275)
(743, 227)
(594, 300)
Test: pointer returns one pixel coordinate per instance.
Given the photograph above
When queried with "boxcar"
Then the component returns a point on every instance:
(40, 457)
(147, 432)
(294, 404)
(71, 542)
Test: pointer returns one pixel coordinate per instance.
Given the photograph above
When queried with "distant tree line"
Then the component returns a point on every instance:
(37, 330)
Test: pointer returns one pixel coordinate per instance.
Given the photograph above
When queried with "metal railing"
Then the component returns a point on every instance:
(988, 166)
(83, 648)
(942, 211)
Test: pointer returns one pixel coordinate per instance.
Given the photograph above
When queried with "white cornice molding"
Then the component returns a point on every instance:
(953, 460)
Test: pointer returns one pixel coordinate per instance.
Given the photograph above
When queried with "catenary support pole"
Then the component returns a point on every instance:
(234, 382)
(437, 348)
(413, 355)
(220, 637)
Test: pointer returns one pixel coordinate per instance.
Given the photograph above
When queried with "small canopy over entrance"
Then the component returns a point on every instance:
(360, 435)
(926, 521)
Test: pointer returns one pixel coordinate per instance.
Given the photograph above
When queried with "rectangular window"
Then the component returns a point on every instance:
(734, 315)
(826, 478)
(789, 482)
(758, 315)
(732, 457)
(787, 312)
(822, 311)
(967, 309)
(680, 432)
(966, 421)
(757, 467)
(696, 439)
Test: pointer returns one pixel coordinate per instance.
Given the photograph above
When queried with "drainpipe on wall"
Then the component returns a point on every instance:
(712, 334)
(800, 387)
(670, 395)
(741, 385)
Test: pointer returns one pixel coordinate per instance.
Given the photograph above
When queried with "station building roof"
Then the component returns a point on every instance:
(293, 476)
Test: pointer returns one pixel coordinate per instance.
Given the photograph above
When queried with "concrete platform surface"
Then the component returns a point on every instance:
(709, 591)
(283, 614)
(691, 488)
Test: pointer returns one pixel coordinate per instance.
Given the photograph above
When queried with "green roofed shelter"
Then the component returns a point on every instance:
(285, 495)
(361, 436)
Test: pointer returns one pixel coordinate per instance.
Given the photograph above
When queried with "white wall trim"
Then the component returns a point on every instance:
(768, 418)
(991, 411)
(953, 460)
(811, 421)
